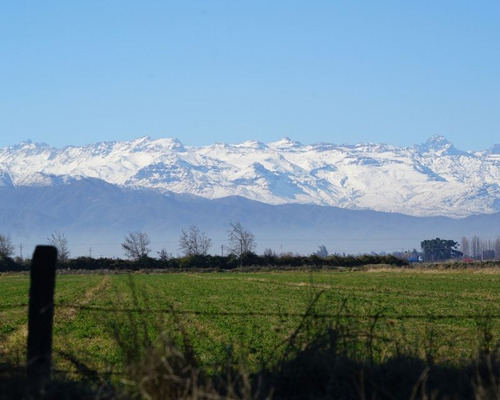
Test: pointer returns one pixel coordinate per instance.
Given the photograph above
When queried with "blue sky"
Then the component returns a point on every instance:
(228, 71)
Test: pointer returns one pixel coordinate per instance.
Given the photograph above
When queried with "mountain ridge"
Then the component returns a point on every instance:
(430, 179)
(94, 214)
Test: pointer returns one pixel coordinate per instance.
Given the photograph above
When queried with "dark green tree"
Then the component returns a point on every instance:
(439, 249)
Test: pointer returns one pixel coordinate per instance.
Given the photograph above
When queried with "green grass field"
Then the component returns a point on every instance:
(253, 315)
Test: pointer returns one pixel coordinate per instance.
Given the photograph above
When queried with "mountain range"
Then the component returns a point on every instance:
(294, 197)
(431, 179)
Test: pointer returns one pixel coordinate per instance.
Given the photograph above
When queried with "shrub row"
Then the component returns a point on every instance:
(229, 262)
(7, 264)
(212, 262)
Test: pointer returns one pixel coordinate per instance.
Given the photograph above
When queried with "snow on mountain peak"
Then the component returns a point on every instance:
(29, 146)
(146, 143)
(437, 141)
(42, 179)
(25, 143)
(495, 149)
(430, 179)
(285, 143)
(441, 146)
(253, 144)
(435, 144)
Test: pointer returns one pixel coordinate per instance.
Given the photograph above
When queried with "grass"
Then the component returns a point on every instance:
(217, 328)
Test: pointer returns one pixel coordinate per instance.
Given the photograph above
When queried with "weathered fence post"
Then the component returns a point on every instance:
(41, 314)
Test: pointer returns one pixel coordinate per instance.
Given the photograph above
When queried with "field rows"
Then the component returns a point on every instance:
(252, 314)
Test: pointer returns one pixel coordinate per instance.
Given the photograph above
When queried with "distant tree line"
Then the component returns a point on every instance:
(475, 248)
(480, 249)
(195, 246)
(228, 262)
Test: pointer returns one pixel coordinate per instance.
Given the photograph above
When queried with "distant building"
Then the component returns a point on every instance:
(410, 256)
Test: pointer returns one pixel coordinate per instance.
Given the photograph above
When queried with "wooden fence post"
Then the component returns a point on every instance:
(41, 314)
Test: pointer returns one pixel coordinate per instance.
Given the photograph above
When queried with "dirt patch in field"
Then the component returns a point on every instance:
(67, 313)
(14, 345)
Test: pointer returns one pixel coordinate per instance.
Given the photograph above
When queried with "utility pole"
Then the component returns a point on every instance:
(90, 252)
(21, 251)
(222, 250)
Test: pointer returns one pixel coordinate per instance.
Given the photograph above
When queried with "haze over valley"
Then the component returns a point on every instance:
(353, 198)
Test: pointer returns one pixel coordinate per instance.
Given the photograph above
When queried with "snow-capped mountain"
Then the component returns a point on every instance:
(430, 179)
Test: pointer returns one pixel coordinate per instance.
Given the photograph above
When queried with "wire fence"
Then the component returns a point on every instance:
(76, 358)
(78, 367)
(243, 314)
(283, 314)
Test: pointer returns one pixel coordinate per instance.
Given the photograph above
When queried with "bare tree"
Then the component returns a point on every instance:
(269, 253)
(486, 244)
(193, 242)
(59, 241)
(163, 255)
(322, 251)
(465, 246)
(475, 246)
(6, 246)
(241, 240)
(136, 245)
